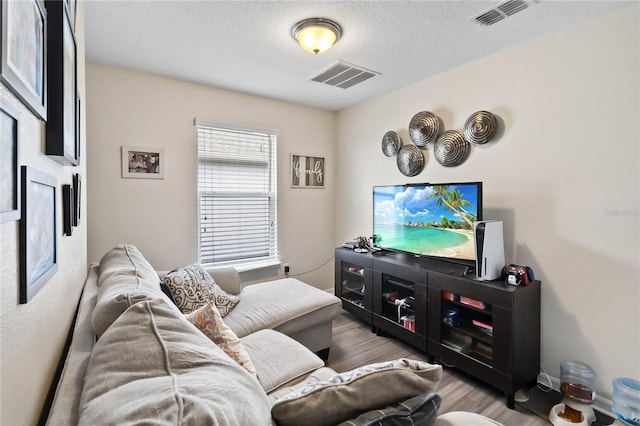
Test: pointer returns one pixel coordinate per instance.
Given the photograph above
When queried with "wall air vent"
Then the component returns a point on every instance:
(344, 75)
(501, 11)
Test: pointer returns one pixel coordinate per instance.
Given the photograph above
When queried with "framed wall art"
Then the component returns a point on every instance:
(38, 242)
(68, 210)
(78, 127)
(146, 163)
(24, 52)
(77, 188)
(62, 102)
(9, 163)
(71, 9)
(307, 171)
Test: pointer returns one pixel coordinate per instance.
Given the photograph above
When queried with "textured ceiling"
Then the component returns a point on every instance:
(246, 46)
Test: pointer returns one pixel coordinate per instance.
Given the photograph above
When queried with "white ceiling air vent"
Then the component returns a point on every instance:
(344, 75)
(501, 11)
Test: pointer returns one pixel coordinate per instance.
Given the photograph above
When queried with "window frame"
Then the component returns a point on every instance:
(272, 258)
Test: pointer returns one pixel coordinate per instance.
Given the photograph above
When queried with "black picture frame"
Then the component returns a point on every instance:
(61, 139)
(71, 10)
(38, 238)
(23, 67)
(77, 191)
(78, 125)
(68, 210)
(9, 163)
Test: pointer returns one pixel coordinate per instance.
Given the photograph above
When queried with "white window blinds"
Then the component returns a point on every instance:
(236, 195)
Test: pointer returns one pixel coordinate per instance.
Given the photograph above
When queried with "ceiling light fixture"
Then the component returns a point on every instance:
(316, 35)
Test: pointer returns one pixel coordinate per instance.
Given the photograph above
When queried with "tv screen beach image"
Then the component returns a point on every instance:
(432, 220)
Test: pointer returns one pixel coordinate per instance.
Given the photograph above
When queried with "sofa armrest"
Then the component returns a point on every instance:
(227, 278)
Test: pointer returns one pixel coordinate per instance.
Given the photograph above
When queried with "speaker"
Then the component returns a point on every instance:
(489, 245)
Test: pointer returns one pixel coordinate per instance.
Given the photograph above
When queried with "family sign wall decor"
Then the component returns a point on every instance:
(307, 171)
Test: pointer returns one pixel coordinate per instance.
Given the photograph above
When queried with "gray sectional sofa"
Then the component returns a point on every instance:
(135, 358)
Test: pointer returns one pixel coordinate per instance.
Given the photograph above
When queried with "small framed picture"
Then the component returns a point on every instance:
(9, 164)
(77, 188)
(307, 171)
(68, 210)
(145, 163)
(38, 242)
(24, 55)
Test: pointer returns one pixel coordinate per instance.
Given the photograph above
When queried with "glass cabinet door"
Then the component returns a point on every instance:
(467, 326)
(353, 286)
(398, 301)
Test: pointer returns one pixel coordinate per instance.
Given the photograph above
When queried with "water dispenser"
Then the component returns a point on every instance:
(626, 401)
(577, 385)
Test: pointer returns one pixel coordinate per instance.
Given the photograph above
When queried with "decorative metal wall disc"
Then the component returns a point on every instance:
(451, 149)
(410, 160)
(391, 143)
(424, 128)
(480, 127)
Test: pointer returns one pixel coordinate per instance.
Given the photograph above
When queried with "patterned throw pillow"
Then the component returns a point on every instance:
(346, 395)
(207, 319)
(192, 287)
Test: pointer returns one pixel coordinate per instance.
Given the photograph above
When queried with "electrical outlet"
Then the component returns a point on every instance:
(286, 268)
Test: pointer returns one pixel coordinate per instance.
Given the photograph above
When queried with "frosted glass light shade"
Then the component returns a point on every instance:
(316, 35)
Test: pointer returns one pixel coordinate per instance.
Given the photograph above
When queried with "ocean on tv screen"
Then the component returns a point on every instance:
(433, 220)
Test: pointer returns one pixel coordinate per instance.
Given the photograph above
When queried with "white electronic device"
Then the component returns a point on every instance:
(489, 246)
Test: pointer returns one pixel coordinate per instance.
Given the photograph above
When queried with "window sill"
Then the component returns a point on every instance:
(247, 266)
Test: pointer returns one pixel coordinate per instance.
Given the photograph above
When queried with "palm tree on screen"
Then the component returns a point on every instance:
(459, 203)
(453, 200)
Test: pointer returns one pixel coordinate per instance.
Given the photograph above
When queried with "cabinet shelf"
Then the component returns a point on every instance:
(486, 310)
(356, 302)
(350, 288)
(469, 330)
(402, 285)
(354, 270)
(486, 360)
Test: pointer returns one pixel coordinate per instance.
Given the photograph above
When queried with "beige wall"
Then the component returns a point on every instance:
(32, 335)
(563, 177)
(160, 216)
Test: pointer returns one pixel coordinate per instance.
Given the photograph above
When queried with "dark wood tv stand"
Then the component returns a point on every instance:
(488, 329)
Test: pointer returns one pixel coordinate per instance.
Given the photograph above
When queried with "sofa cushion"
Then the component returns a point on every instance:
(154, 367)
(287, 305)
(420, 410)
(192, 287)
(321, 374)
(347, 394)
(125, 278)
(207, 319)
(278, 359)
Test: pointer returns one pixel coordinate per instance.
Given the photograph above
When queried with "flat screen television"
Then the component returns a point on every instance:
(428, 219)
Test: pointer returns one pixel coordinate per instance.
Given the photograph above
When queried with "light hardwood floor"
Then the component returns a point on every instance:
(355, 345)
